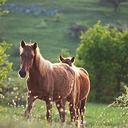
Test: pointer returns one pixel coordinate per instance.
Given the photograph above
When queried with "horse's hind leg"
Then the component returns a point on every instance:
(82, 111)
(61, 108)
(30, 101)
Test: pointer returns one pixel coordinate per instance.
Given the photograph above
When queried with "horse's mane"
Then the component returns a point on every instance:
(43, 65)
(75, 69)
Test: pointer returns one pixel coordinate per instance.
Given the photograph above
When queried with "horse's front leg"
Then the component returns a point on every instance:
(49, 109)
(61, 108)
(30, 101)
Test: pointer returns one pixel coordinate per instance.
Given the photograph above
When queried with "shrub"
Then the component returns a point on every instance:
(57, 17)
(42, 24)
(14, 92)
(65, 53)
(103, 53)
(121, 101)
(5, 66)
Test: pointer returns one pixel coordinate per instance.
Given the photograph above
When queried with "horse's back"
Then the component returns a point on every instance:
(64, 80)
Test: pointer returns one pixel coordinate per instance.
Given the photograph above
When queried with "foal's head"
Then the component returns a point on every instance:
(27, 54)
(67, 60)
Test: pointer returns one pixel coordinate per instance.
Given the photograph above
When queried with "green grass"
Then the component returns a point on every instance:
(51, 37)
(97, 116)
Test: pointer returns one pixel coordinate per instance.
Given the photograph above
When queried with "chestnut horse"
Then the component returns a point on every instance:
(46, 81)
(82, 87)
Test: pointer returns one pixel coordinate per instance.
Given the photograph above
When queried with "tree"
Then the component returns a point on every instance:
(103, 52)
(115, 3)
(5, 66)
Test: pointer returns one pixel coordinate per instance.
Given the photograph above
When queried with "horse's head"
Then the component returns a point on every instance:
(27, 54)
(67, 60)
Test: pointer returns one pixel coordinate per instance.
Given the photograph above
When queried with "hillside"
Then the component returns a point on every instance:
(47, 22)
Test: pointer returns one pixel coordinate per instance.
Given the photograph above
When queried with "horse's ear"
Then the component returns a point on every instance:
(61, 58)
(34, 46)
(22, 43)
(73, 58)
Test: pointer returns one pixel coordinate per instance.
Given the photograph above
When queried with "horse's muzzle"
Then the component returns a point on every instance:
(22, 73)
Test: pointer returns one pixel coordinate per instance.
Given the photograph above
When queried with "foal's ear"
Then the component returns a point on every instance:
(61, 58)
(73, 58)
(22, 43)
(34, 46)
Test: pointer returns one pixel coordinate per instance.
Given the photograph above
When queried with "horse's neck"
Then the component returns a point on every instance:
(41, 65)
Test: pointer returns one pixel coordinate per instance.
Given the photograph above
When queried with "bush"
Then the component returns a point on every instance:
(14, 92)
(121, 101)
(5, 66)
(57, 17)
(103, 53)
(65, 53)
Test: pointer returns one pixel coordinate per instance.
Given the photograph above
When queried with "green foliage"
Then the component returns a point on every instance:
(2, 12)
(57, 17)
(121, 101)
(14, 92)
(104, 54)
(5, 66)
(65, 53)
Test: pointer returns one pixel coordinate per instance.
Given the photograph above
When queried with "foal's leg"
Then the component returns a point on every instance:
(49, 110)
(82, 111)
(61, 108)
(30, 101)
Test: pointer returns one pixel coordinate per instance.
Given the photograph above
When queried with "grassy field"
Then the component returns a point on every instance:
(53, 36)
(97, 116)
